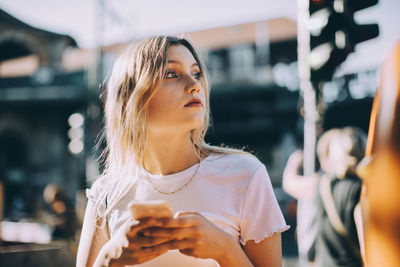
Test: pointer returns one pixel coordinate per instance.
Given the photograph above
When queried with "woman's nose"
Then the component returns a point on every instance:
(192, 85)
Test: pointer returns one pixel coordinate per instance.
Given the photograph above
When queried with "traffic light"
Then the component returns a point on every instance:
(334, 34)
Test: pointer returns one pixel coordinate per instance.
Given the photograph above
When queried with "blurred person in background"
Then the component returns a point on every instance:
(59, 213)
(304, 189)
(157, 113)
(339, 194)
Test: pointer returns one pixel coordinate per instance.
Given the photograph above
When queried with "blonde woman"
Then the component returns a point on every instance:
(156, 116)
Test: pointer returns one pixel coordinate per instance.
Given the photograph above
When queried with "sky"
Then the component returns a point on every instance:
(124, 20)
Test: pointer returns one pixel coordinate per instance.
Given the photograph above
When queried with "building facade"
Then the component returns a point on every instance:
(37, 96)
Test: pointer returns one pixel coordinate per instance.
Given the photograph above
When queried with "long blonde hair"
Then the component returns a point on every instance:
(136, 76)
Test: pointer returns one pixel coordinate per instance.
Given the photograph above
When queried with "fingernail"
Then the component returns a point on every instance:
(144, 232)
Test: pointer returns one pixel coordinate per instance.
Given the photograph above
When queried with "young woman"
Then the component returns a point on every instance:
(156, 115)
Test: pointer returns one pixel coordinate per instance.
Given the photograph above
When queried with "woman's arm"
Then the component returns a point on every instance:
(265, 253)
(92, 238)
(232, 254)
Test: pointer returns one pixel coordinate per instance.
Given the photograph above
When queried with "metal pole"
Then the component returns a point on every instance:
(311, 115)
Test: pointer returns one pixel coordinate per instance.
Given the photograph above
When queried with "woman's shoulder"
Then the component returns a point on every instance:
(98, 182)
(236, 161)
(97, 188)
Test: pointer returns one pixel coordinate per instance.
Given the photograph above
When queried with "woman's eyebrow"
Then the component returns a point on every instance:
(180, 63)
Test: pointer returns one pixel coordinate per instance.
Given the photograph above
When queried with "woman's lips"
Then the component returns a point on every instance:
(194, 103)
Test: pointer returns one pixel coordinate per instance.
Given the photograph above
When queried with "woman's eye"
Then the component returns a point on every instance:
(197, 75)
(170, 74)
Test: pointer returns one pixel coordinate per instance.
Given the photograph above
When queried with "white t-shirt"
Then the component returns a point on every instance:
(232, 191)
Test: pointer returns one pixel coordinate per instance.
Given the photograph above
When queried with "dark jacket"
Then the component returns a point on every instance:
(332, 249)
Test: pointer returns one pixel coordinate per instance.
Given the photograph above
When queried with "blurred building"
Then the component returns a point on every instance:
(37, 96)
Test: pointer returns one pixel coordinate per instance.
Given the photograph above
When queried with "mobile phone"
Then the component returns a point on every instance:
(150, 208)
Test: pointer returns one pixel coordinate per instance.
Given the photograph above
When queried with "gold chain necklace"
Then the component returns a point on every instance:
(177, 190)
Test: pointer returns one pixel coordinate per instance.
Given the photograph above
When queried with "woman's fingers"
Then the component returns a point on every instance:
(188, 232)
(143, 223)
(173, 244)
(152, 237)
(181, 219)
(172, 233)
(184, 225)
(151, 232)
(167, 223)
(186, 213)
(138, 255)
(146, 241)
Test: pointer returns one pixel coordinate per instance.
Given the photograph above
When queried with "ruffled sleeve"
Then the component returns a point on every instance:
(96, 195)
(261, 216)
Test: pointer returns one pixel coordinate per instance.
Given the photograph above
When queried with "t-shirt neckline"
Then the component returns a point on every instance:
(175, 176)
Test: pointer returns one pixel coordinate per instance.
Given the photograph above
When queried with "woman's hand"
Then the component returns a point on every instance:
(141, 248)
(189, 232)
(195, 236)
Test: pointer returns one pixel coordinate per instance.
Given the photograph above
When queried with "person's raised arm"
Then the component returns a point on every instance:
(295, 184)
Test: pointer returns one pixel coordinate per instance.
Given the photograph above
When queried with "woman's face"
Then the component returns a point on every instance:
(180, 102)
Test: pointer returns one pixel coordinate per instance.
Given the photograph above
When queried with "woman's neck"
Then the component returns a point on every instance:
(169, 154)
